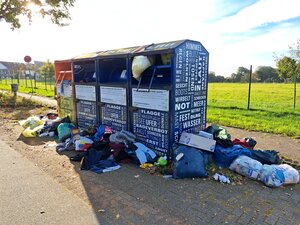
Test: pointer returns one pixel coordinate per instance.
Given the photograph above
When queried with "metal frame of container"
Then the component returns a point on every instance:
(65, 101)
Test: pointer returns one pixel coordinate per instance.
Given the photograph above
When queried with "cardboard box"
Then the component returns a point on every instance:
(197, 141)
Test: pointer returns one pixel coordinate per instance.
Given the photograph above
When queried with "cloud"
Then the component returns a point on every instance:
(259, 14)
(236, 33)
(258, 50)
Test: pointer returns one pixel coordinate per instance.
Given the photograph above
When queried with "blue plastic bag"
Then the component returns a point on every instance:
(224, 156)
(191, 164)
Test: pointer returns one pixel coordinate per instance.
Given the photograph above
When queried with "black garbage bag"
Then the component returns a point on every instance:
(55, 124)
(266, 156)
(220, 135)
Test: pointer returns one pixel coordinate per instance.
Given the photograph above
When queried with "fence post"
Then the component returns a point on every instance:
(35, 80)
(249, 90)
(295, 90)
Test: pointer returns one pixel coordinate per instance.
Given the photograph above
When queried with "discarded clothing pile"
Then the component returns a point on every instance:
(102, 150)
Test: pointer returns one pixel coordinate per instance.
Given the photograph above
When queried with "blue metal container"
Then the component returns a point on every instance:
(85, 83)
(113, 87)
(171, 95)
(157, 104)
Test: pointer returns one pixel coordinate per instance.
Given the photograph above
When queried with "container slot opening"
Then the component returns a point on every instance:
(113, 71)
(84, 72)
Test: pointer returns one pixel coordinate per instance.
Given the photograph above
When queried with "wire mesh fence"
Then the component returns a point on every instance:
(29, 84)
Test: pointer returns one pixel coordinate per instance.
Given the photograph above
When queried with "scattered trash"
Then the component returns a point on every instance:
(102, 150)
(146, 165)
(162, 161)
(101, 210)
(49, 145)
(223, 179)
(179, 156)
(47, 134)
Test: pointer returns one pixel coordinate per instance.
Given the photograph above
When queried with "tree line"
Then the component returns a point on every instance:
(288, 70)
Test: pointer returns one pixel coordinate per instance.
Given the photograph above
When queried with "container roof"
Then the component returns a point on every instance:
(165, 46)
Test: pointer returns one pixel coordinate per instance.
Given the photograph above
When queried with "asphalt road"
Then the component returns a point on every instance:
(30, 196)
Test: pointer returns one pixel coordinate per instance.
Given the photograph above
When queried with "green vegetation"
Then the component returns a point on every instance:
(271, 107)
(9, 100)
(38, 88)
(12, 10)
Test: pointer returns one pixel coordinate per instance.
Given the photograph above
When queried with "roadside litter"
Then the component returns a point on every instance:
(101, 150)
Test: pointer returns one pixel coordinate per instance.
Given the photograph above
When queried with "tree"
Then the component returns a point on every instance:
(47, 70)
(211, 77)
(57, 10)
(219, 79)
(286, 67)
(242, 75)
(295, 54)
(266, 74)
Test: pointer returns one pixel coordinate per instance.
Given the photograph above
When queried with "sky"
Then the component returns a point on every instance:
(235, 32)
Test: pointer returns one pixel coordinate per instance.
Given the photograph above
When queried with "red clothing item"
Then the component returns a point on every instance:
(117, 148)
(244, 143)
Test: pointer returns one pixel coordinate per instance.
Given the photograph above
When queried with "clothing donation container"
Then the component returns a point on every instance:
(113, 70)
(64, 88)
(85, 82)
(168, 92)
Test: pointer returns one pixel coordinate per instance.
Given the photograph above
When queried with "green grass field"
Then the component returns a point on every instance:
(271, 107)
(38, 88)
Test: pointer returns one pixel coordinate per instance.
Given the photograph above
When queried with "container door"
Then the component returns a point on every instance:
(151, 118)
(113, 92)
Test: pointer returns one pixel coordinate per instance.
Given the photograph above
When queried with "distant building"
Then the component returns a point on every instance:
(9, 69)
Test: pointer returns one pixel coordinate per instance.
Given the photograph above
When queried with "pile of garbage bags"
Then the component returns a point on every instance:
(100, 150)
(238, 155)
(42, 125)
(270, 175)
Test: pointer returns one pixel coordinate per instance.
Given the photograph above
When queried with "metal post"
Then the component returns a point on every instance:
(18, 77)
(295, 89)
(249, 91)
(35, 80)
(46, 79)
(30, 81)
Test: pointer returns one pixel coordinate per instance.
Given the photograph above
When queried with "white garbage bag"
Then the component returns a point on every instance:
(277, 175)
(140, 64)
(246, 166)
